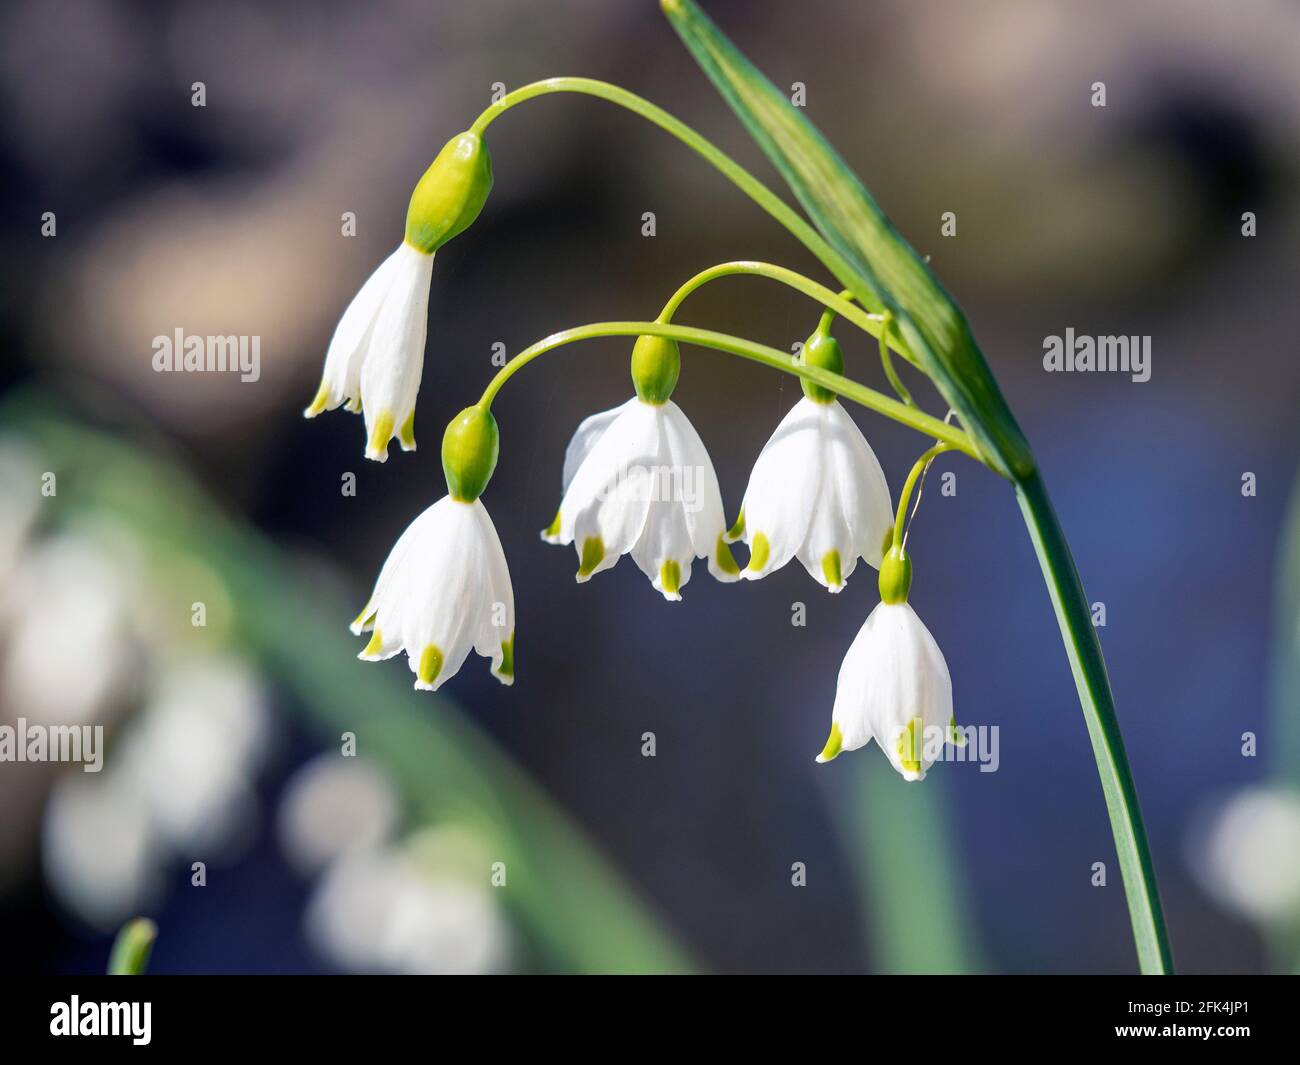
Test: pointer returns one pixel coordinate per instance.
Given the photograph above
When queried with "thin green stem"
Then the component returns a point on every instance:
(1083, 649)
(918, 468)
(841, 303)
(887, 323)
(745, 349)
(742, 178)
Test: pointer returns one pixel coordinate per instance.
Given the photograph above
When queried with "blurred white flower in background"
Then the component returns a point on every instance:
(178, 786)
(333, 806)
(1246, 853)
(196, 749)
(66, 613)
(421, 906)
(100, 851)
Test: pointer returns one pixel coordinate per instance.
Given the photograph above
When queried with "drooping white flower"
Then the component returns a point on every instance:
(444, 590)
(376, 356)
(894, 688)
(817, 492)
(638, 480)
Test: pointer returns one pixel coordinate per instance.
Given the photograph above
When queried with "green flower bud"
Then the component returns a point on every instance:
(895, 576)
(469, 453)
(656, 362)
(450, 194)
(823, 351)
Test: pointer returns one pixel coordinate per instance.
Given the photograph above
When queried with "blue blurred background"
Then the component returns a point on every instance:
(225, 219)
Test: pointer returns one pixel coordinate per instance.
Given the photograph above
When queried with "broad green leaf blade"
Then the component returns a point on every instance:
(887, 272)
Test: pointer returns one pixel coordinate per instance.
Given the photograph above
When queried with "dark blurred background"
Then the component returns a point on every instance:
(225, 219)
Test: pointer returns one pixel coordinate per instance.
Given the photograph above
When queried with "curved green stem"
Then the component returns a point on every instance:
(1074, 616)
(742, 178)
(918, 468)
(841, 303)
(887, 323)
(746, 349)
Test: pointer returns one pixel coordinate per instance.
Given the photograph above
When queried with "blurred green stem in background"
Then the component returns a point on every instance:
(132, 947)
(1284, 942)
(577, 909)
(1286, 649)
(900, 838)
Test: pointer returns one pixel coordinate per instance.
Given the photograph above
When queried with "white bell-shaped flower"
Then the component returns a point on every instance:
(816, 492)
(444, 590)
(376, 356)
(894, 685)
(638, 480)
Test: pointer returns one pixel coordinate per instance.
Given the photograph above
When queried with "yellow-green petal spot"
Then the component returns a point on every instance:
(759, 552)
(823, 351)
(834, 744)
(895, 576)
(593, 553)
(737, 530)
(507, 667)
(451, 193)
(656, 364)
(430, 664)
(726, 560)
(955, 735)
(469, 452)
(367, 613)
(406, 434)
(318, 404)
(376, 643)
(553, 530)
(831, 568)
(383, 432)
(909, 746)
(670, 577)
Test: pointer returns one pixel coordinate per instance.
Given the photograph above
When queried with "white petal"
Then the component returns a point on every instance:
(665, 539)
(894, 673)
(496, 629)
(696, 486)
(439, 592)
(341, 380)
(784, 487)
(610, 493)
(858, 483)
(394, 359)
(584, 439)
(445, 588)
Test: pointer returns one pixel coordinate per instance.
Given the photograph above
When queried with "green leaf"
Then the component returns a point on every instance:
(886, 274)
(132, 947)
